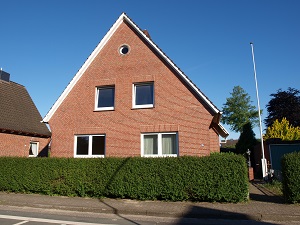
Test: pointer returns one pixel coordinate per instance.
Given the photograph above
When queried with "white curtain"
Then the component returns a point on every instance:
(150, 144)
(169, 144)
(33, 149)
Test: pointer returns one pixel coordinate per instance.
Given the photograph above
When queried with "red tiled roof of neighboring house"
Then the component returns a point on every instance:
(229, 143)
(18, 113)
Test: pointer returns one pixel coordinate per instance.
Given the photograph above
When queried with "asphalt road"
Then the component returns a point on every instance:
(32, 216)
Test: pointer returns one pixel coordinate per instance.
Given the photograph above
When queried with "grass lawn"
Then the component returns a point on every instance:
(275, 186)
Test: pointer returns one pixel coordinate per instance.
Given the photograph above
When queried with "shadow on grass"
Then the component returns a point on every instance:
(262, 194)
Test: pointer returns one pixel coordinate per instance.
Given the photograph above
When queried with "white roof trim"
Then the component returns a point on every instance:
(98, 49)
(188, 81)
(83, 69)
(225, 131)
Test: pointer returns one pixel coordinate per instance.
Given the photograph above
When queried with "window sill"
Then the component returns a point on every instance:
(88, 156)
(159, 156)
(143, 107)
(104, 109)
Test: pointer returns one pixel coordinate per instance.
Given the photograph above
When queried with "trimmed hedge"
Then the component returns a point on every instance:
(291, 177)
(219, 177)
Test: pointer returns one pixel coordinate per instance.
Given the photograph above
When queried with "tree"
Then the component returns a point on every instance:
(283, 130)
(284, 104)
(246, 140)
(238, 111)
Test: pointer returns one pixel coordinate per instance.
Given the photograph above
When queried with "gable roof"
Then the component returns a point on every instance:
(124, 18)
(18, 113)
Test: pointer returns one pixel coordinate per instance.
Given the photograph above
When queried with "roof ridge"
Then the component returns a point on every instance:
(17, 84)
(8, 82)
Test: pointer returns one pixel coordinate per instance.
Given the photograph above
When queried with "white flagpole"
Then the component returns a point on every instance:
(263, 159)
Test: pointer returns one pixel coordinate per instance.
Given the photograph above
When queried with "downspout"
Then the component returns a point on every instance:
(49, 140)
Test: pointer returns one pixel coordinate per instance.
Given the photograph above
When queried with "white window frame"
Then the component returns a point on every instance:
(37, 148)
(134, 96)
(97, 98)
(159, 141)
(89, 155)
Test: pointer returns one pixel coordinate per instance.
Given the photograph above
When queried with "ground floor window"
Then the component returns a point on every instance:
(89, 146)
(34, 149)
(159, 144)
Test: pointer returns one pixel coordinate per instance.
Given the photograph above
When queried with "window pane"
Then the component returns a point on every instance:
(150, 144)
(169, 144)
(106, 97)
(33, 149)
(82, 145)
(144, 94)
(98, 145)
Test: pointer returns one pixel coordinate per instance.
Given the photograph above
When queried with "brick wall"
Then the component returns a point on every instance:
(176, 108)
(18, 145)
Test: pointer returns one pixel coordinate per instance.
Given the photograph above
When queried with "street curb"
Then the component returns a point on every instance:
(224, 216)
(154, 209)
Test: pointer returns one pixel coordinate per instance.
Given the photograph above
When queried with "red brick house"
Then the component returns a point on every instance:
(130, 99)
(21, 132)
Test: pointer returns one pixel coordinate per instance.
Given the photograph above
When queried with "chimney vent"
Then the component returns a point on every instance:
(4, 76)
(147, 33)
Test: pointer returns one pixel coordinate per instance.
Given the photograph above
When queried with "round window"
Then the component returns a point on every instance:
(124, 49)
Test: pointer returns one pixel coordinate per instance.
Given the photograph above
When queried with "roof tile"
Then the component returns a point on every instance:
(18, 113)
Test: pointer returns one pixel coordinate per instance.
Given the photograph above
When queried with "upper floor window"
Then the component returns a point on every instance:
(87, 146)
(143, 95)
(105, 98)
(159, 144)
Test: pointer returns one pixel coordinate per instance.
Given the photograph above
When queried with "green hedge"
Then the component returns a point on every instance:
(219, 177)
(291, 177)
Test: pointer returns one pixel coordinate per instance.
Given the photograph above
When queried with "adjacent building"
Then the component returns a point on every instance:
(21, 132)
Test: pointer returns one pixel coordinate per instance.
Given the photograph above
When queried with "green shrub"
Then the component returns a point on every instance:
(219, 177)
(291, 177)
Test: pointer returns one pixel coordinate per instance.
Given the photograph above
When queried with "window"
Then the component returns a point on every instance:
(159, 144)
(89, 146)
(124, 49)
(143, 95)
(105, 98)
(33, 149)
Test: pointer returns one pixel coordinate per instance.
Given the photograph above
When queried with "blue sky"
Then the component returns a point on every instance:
(44, 43)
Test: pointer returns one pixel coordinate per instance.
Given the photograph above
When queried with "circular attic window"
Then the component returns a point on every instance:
(124, 49)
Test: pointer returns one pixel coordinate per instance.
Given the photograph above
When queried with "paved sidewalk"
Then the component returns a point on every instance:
(263, 206)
